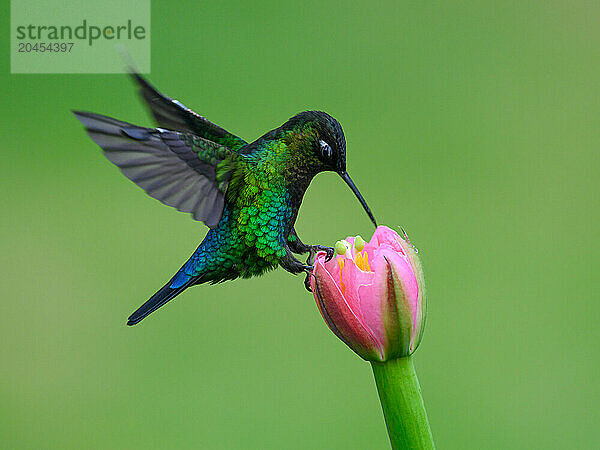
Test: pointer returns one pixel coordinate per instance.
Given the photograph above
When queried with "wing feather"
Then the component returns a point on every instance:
(177, 168)
(172, 114)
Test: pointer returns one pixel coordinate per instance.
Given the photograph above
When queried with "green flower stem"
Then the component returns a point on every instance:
(402, 404)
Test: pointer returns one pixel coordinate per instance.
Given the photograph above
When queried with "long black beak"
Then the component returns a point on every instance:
(350, 183)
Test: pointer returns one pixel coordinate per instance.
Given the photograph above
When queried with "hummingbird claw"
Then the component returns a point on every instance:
(330, 251)
(311, 260)
(307, 279)
(307, 283)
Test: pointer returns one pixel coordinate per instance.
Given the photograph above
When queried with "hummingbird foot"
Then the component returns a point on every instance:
(307, 280)
(310, 261)
(322, 248)
(292, 265)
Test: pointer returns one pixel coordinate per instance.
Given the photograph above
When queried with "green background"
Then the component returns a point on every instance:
(475, 125)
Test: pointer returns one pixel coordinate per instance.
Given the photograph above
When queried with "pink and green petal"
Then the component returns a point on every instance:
(333, 305)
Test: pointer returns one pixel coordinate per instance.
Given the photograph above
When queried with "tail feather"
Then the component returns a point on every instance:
(164, 295)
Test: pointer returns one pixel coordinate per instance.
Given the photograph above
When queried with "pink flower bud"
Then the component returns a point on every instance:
(373, 298)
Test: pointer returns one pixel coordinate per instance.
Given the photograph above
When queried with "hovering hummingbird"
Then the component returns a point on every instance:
(248, 194)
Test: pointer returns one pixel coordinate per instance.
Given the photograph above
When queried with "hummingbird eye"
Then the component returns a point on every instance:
(326, 151)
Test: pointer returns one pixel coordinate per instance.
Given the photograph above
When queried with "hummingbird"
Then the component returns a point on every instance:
(248, 194)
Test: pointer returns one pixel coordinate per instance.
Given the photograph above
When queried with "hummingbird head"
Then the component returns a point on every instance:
(327, 147)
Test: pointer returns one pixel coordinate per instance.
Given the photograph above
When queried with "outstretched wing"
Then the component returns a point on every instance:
(170, 113)
(179, 169)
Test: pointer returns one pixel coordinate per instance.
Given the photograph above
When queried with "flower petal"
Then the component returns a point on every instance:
(385, 235)
(340, 317)
(402, 291)
(361, 295)
(421, 300)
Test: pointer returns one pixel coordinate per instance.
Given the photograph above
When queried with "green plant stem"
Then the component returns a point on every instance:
(402, 404)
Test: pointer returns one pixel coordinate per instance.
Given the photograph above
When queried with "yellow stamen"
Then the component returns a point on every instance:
(359, 261)
(367, 266)
(341, 264)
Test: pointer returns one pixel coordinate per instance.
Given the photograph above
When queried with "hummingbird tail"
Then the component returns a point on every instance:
(202, 267)
(165, 294)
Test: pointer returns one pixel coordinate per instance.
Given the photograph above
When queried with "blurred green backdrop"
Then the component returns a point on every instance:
(472, 124)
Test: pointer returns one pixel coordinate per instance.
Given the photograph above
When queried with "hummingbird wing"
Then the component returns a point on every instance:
(178, 169)
(172, 114)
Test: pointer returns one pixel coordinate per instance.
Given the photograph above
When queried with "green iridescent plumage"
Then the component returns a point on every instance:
(249, 194)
